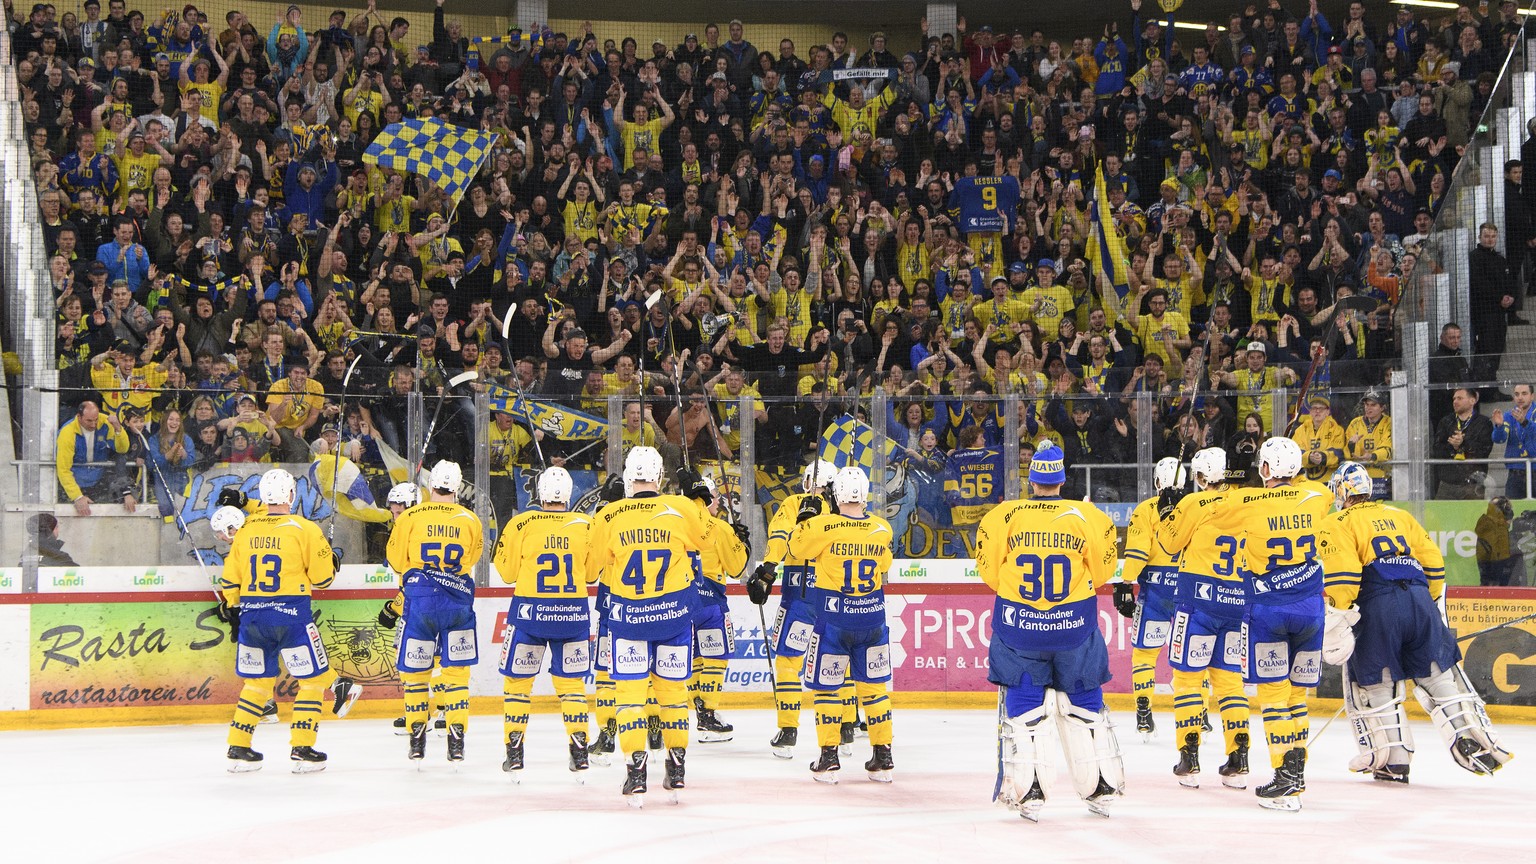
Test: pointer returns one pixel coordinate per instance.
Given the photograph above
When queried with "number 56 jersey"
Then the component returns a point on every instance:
(1045, 558)
(646, 551)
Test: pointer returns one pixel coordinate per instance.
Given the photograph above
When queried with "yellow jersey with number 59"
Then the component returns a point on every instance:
(276, 557)
(436, 535)
(1045, 558)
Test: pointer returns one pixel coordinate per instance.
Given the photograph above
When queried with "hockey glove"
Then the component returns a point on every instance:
(231, 496)
(1125, 599)
(743, 533)
(1167, 500)
(389, 616)
(761, 582)
(811, 506)
(1339, 634)
(336, 555)
(613, 489)
(691, 483)
(229, 615)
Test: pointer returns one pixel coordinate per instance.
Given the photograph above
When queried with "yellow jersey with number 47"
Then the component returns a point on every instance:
(1045, 559)
(645, 552)
(281, 558)
(850, 557)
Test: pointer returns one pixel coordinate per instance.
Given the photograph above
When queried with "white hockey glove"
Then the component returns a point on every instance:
(1339, 634)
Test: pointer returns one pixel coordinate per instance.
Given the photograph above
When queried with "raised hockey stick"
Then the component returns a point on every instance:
(346, 381)
(453, 382)
(181, 524)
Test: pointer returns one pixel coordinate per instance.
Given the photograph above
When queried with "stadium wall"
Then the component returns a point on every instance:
(105, 646)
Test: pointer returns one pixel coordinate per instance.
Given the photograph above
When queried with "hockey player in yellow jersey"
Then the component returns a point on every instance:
(402, 497)
(1145, 592)
(1045, 558)
(1284, 581)
(1204, 534)
(849, 552)
(791, 631)
(1382, 576)
(275, 563)
(645, 550)
(543, 553)
(723, 557)
(433, 547)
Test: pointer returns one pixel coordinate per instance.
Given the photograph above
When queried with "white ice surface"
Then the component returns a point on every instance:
(161, 794)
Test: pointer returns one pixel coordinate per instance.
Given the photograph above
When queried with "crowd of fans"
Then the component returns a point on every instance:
(726, 217)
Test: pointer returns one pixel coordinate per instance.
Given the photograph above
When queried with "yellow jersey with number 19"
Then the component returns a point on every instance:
(850, 557)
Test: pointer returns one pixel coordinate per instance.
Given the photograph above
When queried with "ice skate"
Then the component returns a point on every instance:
(418, 742)
(1188, 769)
(845, 741)
(306, 760)
(880, 766)
(1478, 755)
(1391, 774)
(1098, 803)
(1144, 722)
(635, 779)
(243, 760)
(1034, 799)
(399, 726)
(513, 764)
(456, 743)
(710, 728)
(673, 781)
(578, 762)
(602, 748)
(825, 768)
(653, 739)
(1234, 774)
(1284, 791)
(269, 712)
(783, 744)
(345, 692)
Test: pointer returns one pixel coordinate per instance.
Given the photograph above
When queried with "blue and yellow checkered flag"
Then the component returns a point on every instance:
(448, 156)
(850, 441)
(553, 418)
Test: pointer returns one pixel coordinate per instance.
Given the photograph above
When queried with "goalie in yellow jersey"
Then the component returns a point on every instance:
(543, 552)
(1382, 575)
(645, 550)
(1045, 558)
(275, 563)
(433, 547)
(849, 552)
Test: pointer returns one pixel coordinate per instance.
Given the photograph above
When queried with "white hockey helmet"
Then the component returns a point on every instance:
(642, 465)
(553, 486)
(445, 477)
(277, 487)
(1209, 467)
(1281, 456)
(1349, 480)
(405, 494)
(1168, 474)
(850, 485)
(817, 476)
(225, 521)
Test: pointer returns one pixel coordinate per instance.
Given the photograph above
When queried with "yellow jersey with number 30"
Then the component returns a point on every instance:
(1045, 558)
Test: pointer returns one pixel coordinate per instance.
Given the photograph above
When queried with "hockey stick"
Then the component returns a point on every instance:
(1510, 623)
(453, 382)
(677, 392)
(1312, 737)
(181, 524)
(330, 528)
(1352, 303)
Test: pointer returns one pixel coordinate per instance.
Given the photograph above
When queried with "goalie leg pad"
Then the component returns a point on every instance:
(1089, 744)
(1462, 719)
(1026, 749)
(1377, 714)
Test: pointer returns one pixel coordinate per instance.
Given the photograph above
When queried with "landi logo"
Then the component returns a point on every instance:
(914, 571)
(5, 580)
(378, 577)
(70, 579)
(149, 577)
